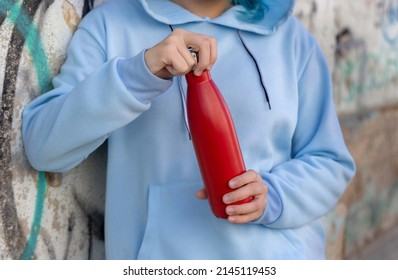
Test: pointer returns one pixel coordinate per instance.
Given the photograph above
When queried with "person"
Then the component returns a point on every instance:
(123, 81)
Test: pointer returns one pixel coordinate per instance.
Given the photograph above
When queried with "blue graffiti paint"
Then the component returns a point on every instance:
(389, 21)
(15, 14)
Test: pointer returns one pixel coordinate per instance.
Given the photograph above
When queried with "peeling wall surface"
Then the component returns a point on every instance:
(60, 216)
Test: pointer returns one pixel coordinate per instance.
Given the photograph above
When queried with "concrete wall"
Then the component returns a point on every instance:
(60, 216)
(360, 40)
(42, 216)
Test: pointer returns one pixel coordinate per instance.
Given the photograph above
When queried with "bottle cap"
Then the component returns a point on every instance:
(195, 56)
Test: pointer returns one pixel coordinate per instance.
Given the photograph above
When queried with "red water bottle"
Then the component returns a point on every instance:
(214, 139)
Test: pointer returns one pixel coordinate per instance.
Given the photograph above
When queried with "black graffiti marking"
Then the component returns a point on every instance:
(87, 7)
(345, 43)
(12, 230)
(95, 224)
(96, 231)
(13, 235)
(2, 18)
(71, 225)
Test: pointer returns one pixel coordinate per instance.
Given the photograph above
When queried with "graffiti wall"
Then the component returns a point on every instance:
(360, 39)
(42, 215)
(60, 216)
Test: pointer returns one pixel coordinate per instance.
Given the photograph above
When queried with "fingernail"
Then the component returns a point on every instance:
(229, 210)
(227, 199)
(232, 183)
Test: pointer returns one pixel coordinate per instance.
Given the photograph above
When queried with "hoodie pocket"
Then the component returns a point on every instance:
(171, 210)
(180, 226)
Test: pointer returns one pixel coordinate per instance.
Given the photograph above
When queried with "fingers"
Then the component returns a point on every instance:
(206, 49)
(247, 212)
(171, 56)
(249, 184)
(245, 178)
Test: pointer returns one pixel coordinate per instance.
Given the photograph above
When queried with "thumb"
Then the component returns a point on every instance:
(201, 194)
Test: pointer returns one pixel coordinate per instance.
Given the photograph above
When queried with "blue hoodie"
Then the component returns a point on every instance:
(105, 92)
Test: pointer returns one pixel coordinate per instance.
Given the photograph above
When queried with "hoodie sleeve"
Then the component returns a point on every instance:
(91, 99)
(309, 185)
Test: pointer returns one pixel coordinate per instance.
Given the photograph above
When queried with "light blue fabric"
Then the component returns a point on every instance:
(105, 91)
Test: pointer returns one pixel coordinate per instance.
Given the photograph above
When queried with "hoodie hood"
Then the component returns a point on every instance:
(278, 11)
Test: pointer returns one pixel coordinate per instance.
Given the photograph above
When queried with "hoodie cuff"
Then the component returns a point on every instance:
(273, 210)
(137, 78)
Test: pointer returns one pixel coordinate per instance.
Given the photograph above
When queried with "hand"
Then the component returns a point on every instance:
(171, 56)
(245, 185)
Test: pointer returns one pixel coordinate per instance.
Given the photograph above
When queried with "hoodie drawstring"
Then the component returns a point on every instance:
(183, 98)
(257, 67)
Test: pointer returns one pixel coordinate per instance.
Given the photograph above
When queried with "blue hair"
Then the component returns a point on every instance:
(255, 9)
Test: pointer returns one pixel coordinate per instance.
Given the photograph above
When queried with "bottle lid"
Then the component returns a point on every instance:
(195, 56)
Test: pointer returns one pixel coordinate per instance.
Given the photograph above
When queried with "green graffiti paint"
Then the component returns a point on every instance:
(15, 14)
(38, 214)
(364, 73)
